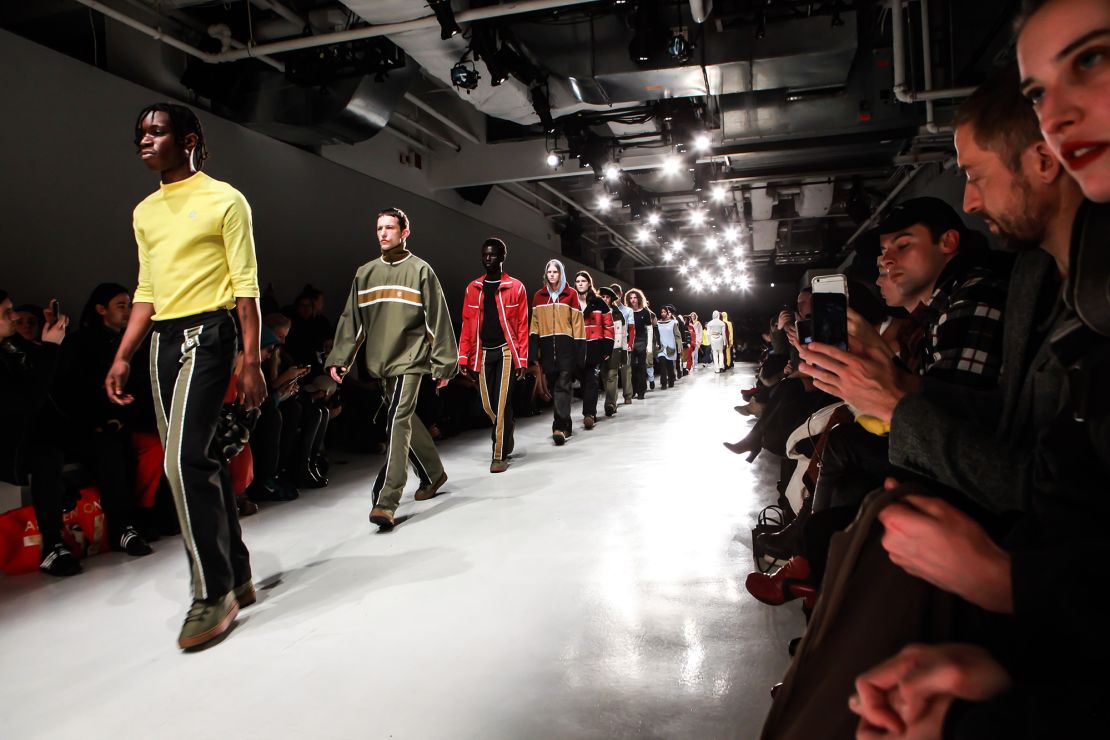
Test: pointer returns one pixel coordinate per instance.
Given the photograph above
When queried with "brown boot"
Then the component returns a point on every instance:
(588, 422)
(382, 517)
(499, 466)
(430, 490)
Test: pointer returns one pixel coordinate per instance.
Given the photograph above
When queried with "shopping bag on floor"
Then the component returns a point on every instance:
(85, 529)
(20, 541)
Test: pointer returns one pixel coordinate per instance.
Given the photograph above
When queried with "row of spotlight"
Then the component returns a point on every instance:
(671, 165)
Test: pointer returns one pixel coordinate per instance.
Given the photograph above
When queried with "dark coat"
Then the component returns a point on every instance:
(27, 375)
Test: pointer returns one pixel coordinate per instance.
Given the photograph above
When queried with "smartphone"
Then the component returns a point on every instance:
(830, 310)
(56, 307)
(804, 328)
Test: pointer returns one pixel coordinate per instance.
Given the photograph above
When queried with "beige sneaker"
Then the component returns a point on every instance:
(431, 490)
(205, 622)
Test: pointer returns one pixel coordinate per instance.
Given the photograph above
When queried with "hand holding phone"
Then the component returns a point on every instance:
(830, 310)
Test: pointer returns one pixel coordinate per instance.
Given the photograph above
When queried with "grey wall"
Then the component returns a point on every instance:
(71, 180)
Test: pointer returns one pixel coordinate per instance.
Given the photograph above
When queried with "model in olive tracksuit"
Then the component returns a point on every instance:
(396, 300)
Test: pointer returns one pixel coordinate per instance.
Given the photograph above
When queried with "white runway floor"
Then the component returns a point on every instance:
(592, 591)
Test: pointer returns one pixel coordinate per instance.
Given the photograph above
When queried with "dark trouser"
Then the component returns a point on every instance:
(588, 375)
(664, 371)
(266, 442)
(191, 360)
(495, 382)
(44, 464)
(626, 374)
(113, 462)
(639, 370)
(853, 464)
(559, 382)
(408, 442)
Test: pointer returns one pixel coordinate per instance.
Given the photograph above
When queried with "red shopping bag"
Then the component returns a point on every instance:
(85, 529)
(20, 541)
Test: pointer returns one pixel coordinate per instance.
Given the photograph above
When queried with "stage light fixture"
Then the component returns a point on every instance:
(643, 236)
(718, 194)
(671, 166)
(603, 203)
(683, 270)
(668, 256)
(678, 245)
(711, 244)
(464, 77)
(553, 160)
(654, 218)
(679, 48)
(702, 143)
(731, 234)
(612, 172)
(722, 260)
(448, 27)
(692, 263)
(772, 285)
(542, 106)
(697, 217)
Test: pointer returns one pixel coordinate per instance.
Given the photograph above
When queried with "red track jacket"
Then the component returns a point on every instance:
(512, 308)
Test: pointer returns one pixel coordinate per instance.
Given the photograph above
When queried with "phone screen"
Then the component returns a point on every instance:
(805, 330)
(830, 319)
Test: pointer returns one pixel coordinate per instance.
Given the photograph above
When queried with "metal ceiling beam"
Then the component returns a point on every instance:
(621, 241)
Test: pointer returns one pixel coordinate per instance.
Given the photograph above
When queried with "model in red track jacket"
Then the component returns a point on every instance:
(598, 324)
(512, 309)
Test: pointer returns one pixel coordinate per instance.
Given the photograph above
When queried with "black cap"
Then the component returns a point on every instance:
(605, 290)
(934, 213)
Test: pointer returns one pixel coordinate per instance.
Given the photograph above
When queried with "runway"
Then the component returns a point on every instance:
(592, 591)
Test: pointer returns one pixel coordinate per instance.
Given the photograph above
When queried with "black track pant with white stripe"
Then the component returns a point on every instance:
(407, 441)
(191, 361)
(495, 382)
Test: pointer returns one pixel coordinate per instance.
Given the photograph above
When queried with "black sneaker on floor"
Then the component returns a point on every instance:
(60, 562)
(132, 543)
(651, 385)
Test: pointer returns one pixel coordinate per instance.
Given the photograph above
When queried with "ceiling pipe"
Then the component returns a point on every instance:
(700, 10)
(624, 244)
(442, 118)
(283, 11)
(309, 42)
(882, 207)
(902, 90)
(425, 130)
(388, 29)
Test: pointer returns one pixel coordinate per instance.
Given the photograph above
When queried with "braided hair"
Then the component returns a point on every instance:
(183, 121)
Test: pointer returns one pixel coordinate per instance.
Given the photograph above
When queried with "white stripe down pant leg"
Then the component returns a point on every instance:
(191, 361)
(407, 440)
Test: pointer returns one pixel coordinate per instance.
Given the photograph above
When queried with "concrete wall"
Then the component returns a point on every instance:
(71, 180)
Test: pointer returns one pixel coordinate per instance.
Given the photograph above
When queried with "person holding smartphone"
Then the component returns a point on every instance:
(198, 290)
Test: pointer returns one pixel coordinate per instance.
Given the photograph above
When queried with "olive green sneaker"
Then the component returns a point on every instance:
(430, 490)
(245, 594)
(206, 621)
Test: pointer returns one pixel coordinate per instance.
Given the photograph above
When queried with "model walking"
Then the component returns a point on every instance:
(619, 356)
(597, 323)
(557, 341)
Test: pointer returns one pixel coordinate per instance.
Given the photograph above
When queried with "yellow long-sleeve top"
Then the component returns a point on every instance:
(196, 248)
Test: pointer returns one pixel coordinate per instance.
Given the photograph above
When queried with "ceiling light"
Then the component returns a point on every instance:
(772, 285)
(671, 289)
(603, 203)
(464, 77)
(448, 27)
(678, 245)
(719, 194)
(678, 48)
(692, 263)
(731, 234)
(711, 244)
(553, 160)
(722, 261)
(667, 256)
(671, 166)
(643, 235)
(612, 172)
(702, 142)
(653, 219)
(683, 270)
(697, 218)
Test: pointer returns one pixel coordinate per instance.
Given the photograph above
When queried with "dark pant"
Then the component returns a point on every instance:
(639, 370)
(266, 442)
(48, 494)
(664, 371)
(495, 382)
(853, 463)
(191, 360)
(112, 462)
(560, 382)
(587, 374)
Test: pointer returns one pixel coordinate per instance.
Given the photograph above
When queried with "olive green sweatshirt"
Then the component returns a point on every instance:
(397, 315)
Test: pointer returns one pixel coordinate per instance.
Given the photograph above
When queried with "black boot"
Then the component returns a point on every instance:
(787, 542)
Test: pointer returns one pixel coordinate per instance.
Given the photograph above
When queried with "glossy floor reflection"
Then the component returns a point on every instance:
(592, 591)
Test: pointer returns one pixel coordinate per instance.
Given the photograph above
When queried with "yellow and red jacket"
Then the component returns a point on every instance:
(557, 336)
(512, 310)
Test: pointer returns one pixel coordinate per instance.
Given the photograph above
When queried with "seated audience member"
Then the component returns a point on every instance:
(310, 331)
(961, 345)
(1025, 683)
(102, 429)
(32, 433)
(29, 322)
(269, 482)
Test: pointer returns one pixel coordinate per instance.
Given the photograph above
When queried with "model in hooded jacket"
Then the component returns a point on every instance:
(557, 341)
(716, 329)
